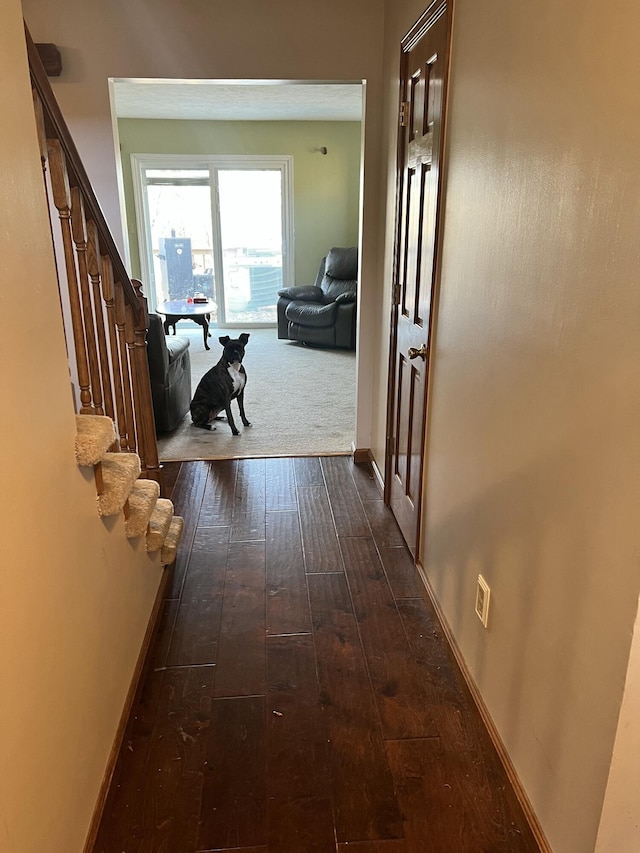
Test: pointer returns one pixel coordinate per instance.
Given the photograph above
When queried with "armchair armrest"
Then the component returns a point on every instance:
(176, 346)
(347, 296)
(306, 293)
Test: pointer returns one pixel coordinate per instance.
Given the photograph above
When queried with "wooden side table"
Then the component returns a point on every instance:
(179, 309)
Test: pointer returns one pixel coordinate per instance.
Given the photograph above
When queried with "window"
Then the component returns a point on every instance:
(219, 227)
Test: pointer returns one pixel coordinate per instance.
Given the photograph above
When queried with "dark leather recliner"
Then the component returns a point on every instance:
(170, 375)
(323, 314)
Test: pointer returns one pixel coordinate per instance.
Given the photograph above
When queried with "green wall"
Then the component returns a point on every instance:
(326, 188)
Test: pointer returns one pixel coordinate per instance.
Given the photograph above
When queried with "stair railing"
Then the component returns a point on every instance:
(105, 312)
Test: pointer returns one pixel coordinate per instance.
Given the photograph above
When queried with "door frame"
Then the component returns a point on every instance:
(212, 162)
(432, 13)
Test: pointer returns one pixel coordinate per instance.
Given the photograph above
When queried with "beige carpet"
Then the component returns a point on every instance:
(300, 401)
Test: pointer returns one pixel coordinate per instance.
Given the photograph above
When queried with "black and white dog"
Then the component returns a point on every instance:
(220, 385)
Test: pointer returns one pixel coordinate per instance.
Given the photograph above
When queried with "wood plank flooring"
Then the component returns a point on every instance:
(301, 697)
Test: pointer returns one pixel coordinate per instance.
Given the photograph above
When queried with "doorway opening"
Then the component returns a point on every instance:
(232, 191)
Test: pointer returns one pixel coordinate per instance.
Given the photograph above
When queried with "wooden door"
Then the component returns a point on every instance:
(425, 59)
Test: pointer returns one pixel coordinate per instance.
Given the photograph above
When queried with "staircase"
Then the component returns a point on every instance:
(104, 311)
(105, 320)
(119, 488)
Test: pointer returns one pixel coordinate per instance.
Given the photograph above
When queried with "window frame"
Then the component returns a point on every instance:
(212, 163)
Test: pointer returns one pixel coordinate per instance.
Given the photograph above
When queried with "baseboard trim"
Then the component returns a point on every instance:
(377, 473)
(132, 696)
(497, 741)
(364, 454)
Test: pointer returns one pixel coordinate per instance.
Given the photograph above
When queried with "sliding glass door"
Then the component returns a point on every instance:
(251, 241)
(216, 227)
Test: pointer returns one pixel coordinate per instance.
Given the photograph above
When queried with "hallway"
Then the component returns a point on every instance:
(301, 696)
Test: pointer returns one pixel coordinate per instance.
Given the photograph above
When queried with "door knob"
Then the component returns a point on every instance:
(422, 352)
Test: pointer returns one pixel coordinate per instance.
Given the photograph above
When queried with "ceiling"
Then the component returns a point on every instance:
(237, 100)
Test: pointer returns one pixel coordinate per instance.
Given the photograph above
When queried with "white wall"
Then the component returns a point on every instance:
(76, 595)
(287, 40)
(533, 450)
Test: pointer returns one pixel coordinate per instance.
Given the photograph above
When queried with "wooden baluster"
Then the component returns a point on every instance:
(93, 266)
(110, 304)
(79, 231)
(130, 328)
(125, 366)
(144, 402)
(62, 201)
(42, 142)
(42, 136)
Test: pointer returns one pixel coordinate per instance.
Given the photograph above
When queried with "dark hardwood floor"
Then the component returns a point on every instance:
(301, 697)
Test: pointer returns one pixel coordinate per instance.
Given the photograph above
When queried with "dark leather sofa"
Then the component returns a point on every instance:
(170, 374)
(323, 314)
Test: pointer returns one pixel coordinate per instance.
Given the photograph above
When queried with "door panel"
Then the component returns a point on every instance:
(424, 70)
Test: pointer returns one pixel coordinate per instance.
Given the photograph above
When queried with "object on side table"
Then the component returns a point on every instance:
(170, 375)
(323, 314)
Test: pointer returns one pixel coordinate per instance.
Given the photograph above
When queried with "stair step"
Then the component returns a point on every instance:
(94, 436)
(159, 524)
(119, 473)
(142, 501)
(172, 541)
